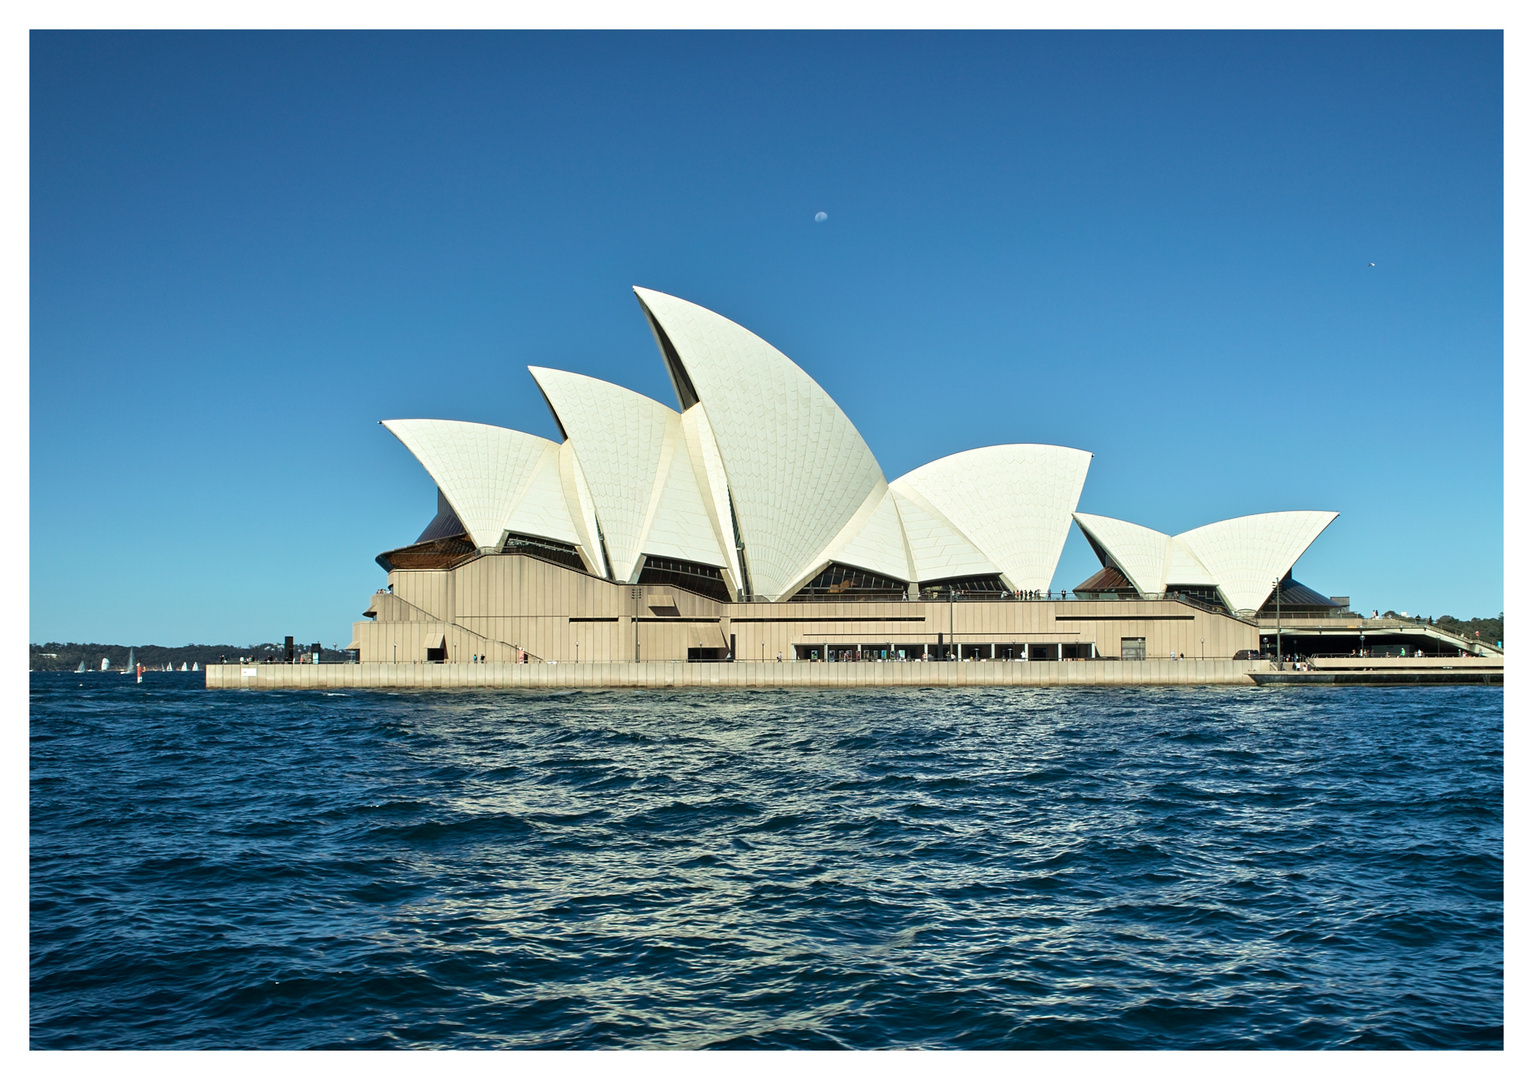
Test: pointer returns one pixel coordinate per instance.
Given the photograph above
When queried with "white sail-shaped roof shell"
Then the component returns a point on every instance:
(577, 496)
(634, 457)
(1012, 502)
(797, 468)
(713, 484)
(1242, 557)
(1141, 553)
(679, 524)
(1185, 568)
(1246, 555)
(874, 539)
(937, 549)
(494, 478)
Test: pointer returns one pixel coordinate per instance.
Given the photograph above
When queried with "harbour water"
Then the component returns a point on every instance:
(1007, 867)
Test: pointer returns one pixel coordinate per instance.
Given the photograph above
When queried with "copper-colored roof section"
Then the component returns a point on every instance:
(1107, 579)
(1296, 596)
(441, 554)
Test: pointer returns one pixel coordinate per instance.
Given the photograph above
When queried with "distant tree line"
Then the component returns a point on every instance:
(1489, 630)
(66, 656)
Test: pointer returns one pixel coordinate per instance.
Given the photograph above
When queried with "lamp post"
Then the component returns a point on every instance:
(951, 593)
(577, 652)
(1277, 599)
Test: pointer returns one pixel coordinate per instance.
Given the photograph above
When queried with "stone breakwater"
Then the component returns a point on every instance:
(668, 675)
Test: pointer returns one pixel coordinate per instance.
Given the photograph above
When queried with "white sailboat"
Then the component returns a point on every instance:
(105, 664)
(129, 669)
(194, 665)
(81, 669)
(183, 665)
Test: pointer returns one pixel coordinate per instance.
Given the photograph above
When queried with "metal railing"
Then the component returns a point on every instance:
(1411, 654)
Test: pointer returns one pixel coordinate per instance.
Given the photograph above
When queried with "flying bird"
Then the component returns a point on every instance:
(1373, 264)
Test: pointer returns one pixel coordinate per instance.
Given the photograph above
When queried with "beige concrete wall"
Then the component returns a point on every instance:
(492, 605)
(681, 675)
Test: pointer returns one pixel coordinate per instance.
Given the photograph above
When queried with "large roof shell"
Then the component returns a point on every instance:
(796, 466)
(494, 478)
(1012, 502)
(1246, 555)
(633, 455)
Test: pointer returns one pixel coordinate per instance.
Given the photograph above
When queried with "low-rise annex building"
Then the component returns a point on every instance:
(753, 522)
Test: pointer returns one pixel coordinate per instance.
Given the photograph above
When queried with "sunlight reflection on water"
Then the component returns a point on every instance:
(989, 868)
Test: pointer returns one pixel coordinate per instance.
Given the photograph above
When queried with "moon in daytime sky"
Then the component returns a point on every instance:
(821, 216)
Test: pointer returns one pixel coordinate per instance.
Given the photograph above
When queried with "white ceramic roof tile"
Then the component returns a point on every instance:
(1247, 554)
(796, 466)
(1142, 554)
(484, 472)
(937, 549)
(1012, 502)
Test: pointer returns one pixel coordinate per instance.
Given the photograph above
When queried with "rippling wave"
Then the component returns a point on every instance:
(988, 868)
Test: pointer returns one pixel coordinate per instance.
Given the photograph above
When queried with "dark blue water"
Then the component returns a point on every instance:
(937, 868)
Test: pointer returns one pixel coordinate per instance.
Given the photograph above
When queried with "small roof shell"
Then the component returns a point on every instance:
(495, 479)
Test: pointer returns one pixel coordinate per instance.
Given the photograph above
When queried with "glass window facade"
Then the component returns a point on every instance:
(547, 550)
(978, 586)
(1207, 595)
(694, 577)
(837, 582)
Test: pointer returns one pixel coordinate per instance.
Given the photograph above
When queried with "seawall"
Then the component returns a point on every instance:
(666, 675)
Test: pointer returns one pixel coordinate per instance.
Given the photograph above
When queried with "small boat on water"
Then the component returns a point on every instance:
(81, 669)
(106, 665)
(183, 665)
(131, 665)
(194, 665)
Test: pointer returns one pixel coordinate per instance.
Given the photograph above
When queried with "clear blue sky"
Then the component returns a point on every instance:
(248, 248)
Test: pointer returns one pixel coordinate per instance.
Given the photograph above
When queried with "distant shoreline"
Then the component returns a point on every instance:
(57, 656)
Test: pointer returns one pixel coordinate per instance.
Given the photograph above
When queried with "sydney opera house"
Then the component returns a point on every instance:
(752, 522)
